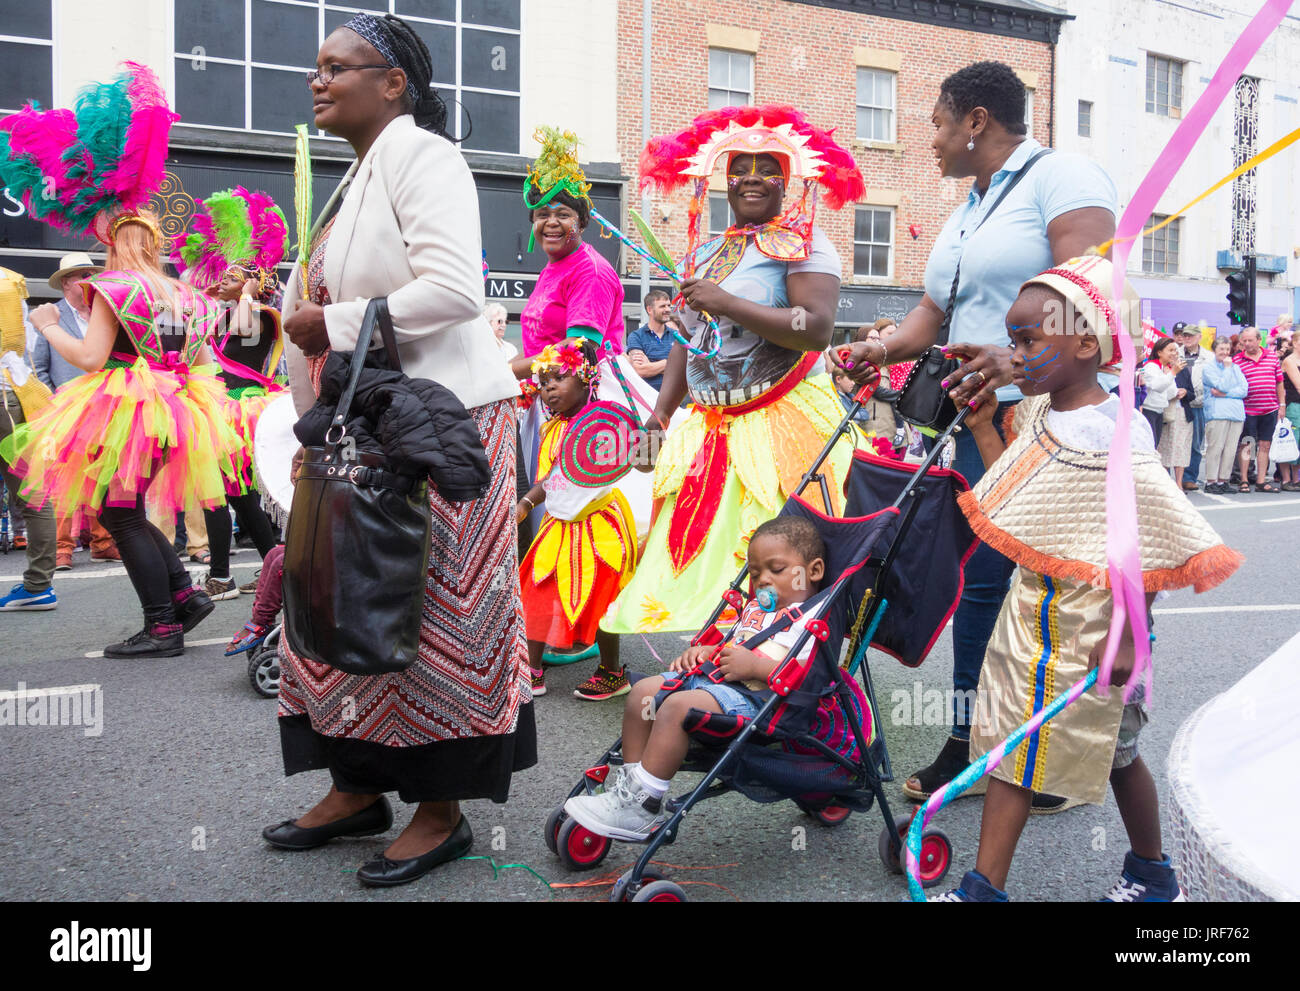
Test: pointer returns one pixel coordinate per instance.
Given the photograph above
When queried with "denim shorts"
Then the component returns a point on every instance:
(731, 701)
(1130, 727)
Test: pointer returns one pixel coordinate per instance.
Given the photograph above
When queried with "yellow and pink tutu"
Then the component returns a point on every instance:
(242, 408)
(108, 436)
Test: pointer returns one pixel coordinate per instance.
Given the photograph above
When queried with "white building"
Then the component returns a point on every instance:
(1126, 72)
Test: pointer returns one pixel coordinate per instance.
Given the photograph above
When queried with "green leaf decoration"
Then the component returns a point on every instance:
(652, 243)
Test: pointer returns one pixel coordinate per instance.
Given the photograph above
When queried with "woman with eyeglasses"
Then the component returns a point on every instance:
(458, 722)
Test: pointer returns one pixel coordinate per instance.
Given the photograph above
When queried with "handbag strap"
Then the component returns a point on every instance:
(376, 312)
(946, 327)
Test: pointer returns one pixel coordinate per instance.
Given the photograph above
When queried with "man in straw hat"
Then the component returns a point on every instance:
(51, 367)
(54, 370)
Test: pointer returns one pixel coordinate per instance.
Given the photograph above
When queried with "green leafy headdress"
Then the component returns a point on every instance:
(556, 171)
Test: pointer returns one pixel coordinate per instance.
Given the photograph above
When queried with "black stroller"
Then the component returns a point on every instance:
(898, 553)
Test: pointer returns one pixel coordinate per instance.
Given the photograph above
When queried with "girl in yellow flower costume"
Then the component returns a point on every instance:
(585, 550)
(759, 304)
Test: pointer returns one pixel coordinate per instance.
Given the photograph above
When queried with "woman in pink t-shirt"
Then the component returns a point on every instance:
(578, 293)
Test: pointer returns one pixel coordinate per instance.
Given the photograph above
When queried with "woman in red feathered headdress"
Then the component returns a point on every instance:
(758, 305)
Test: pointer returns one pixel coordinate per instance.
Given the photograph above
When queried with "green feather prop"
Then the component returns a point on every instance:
(302, 200)
(652, 243)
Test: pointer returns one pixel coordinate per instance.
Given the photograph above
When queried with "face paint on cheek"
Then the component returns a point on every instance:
(1036, 364)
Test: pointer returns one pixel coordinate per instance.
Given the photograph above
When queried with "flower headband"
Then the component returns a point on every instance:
(565, 359)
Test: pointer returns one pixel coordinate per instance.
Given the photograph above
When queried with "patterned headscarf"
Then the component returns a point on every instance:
(371, 28)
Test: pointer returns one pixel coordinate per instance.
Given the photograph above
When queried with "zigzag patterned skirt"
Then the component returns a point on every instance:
(459, 721)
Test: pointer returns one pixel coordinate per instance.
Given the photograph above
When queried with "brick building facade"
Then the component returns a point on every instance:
(809, 54)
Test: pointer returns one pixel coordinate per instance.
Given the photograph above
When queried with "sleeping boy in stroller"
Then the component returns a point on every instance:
(786, 565)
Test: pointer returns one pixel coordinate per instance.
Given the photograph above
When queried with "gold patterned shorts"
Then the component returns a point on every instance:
(1040, 646)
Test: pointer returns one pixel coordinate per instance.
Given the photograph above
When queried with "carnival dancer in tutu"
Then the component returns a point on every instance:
(585, 550)
(238, 240)
(764, 407)
(148, 418)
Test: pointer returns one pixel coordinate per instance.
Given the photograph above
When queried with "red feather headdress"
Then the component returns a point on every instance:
(811, 153)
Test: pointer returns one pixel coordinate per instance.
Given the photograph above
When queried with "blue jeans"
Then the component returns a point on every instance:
(730, 701)
(1198, 444)
(988, 578)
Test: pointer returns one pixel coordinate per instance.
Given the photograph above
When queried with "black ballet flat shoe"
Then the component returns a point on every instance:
(193, 610)
(385, 873)
(370, 821)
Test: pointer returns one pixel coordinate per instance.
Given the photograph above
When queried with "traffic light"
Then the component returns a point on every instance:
(1238, 299)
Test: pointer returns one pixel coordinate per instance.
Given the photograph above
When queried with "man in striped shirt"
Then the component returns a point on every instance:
(1263, 374)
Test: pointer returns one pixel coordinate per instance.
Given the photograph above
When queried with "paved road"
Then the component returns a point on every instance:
(168, 802)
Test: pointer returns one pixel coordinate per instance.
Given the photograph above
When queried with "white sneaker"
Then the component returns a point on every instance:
(625, 810)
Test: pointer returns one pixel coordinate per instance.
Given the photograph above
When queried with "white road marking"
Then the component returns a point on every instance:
(1185, 610)
(32, 693)
(1215, 497)
(188, 643)
(66, 576)
(1281, 519)
(1256, 504)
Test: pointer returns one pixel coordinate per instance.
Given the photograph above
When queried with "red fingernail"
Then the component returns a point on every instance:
(848, 364)
(974, 405)
(943, 384)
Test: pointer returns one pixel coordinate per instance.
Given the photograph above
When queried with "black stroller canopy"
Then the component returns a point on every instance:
(924, 580)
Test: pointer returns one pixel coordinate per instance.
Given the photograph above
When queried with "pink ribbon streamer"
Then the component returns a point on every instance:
(1122, 549)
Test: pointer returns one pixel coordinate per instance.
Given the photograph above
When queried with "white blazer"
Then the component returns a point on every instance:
(408, 229)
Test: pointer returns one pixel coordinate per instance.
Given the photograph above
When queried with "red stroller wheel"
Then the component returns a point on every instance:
(832, 815)
(551, 830)
(660, 891)
(889, 856)
(580, 848)
(936, 857)
(619, 894)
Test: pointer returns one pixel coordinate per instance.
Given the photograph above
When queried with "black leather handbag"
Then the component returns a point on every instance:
(923, 401)
(356, 552)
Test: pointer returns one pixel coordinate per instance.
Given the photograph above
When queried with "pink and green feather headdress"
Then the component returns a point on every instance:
(106, 157)
(232, 227)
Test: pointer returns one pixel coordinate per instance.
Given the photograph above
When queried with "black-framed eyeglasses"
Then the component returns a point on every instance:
(327, 74)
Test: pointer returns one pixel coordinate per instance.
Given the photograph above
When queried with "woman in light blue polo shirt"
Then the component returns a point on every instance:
(1064, 205)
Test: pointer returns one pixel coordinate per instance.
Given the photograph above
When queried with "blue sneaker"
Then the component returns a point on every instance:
(974, 887)
(1146, 881)
(21, 599)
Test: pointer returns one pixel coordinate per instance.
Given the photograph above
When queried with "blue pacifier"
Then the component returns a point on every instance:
(766, 599)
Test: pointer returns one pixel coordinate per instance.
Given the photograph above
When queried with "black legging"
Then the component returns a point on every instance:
(150, 560)
(1157, 421)
(252, 520)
